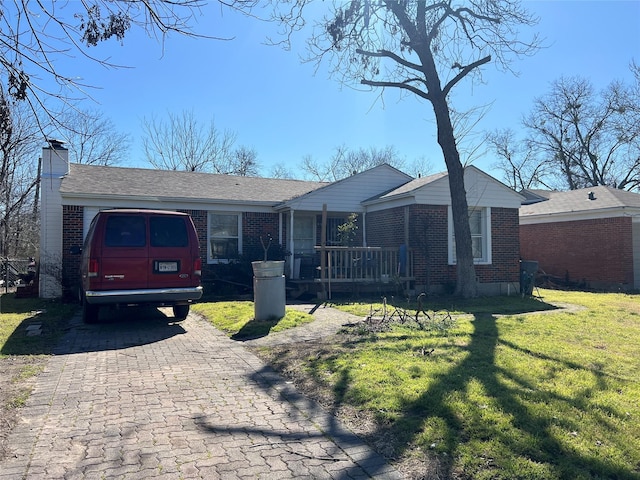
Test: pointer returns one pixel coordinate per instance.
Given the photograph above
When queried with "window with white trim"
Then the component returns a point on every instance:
(480, 226)
(225, 241)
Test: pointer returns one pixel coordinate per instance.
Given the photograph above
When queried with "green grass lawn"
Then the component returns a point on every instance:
(23, 356)
(538, 396)
(237, 319)
(512, 391)
(17, 314)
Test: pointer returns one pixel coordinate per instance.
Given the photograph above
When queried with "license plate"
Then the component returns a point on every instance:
(167, 266)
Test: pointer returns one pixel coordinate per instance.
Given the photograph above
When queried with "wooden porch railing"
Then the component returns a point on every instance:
(365, 264)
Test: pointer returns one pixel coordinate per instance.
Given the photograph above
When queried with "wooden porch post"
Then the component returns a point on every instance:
(323, 246)
(291, 247)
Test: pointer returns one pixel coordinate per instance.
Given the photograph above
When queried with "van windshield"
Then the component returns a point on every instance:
(125, 231)
(168, 232)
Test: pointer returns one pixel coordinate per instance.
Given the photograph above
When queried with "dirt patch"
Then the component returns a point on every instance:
(17, 377)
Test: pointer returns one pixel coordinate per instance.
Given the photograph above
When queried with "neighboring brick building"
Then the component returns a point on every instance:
(403, 226)
(588, 237)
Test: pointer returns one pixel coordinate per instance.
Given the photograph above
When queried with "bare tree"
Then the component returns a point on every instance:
(518, 161)
(314, 169)
(280, 170)
(588, 138)
(93, 139)
(424, 48)
(345, 162)
(419, 167)
(245, 162)
(19, 146)
(34, 34)
(182, 143)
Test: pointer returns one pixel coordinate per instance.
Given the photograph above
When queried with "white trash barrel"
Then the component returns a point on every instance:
(269, 297)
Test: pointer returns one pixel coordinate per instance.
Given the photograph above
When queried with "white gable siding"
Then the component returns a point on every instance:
(482, 191)
(434, 193)
(347, 195)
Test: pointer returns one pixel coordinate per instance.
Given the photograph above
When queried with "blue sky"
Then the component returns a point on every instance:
(285, 110)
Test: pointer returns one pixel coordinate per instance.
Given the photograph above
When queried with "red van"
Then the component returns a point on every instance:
(140, 257)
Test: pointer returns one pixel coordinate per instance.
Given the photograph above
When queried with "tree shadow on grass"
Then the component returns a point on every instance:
(521, 423)
(529, 436)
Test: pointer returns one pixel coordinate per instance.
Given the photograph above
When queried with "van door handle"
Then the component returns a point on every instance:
(113, 277)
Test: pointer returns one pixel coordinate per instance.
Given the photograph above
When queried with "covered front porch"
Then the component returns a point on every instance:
(351, 269)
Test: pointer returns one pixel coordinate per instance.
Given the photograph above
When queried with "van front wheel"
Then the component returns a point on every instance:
(180, 311)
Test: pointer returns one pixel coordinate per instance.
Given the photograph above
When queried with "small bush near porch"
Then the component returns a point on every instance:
(507, 392)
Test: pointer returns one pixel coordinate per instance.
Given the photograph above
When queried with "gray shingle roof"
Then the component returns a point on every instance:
(414, 184)
(579, 201)
(407, 188)
(92, 180)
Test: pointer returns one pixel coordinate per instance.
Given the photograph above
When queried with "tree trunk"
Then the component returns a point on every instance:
(466, 282)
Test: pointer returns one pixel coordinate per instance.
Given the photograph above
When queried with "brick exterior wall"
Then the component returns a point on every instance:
(428, 234)
(72, 221)
(505, 244)
(386, 228)
(256, 225)
(199, 218)
(597, 252)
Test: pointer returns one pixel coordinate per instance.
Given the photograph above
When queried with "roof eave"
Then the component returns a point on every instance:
(599, 212)
(154, 198)
(399, 196)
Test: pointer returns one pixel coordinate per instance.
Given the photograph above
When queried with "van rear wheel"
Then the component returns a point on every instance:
(180, 311)
(89, 312)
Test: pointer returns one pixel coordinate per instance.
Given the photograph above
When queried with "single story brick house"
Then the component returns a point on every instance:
(404, 225)
(588, 237)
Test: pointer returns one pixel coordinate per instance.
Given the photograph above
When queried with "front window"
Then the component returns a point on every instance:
(477, 234)
(224, 236)
(303, 234)
(480, 226)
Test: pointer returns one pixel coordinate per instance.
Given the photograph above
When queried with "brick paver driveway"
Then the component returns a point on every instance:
(148, 398)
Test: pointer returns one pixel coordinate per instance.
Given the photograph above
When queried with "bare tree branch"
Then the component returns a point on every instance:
(589, 138)
(181, 143)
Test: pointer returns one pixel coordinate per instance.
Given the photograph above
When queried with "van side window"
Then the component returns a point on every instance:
(168, 232)
(125, 231)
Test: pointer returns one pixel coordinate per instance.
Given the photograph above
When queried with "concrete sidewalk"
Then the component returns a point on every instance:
(148, 398)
